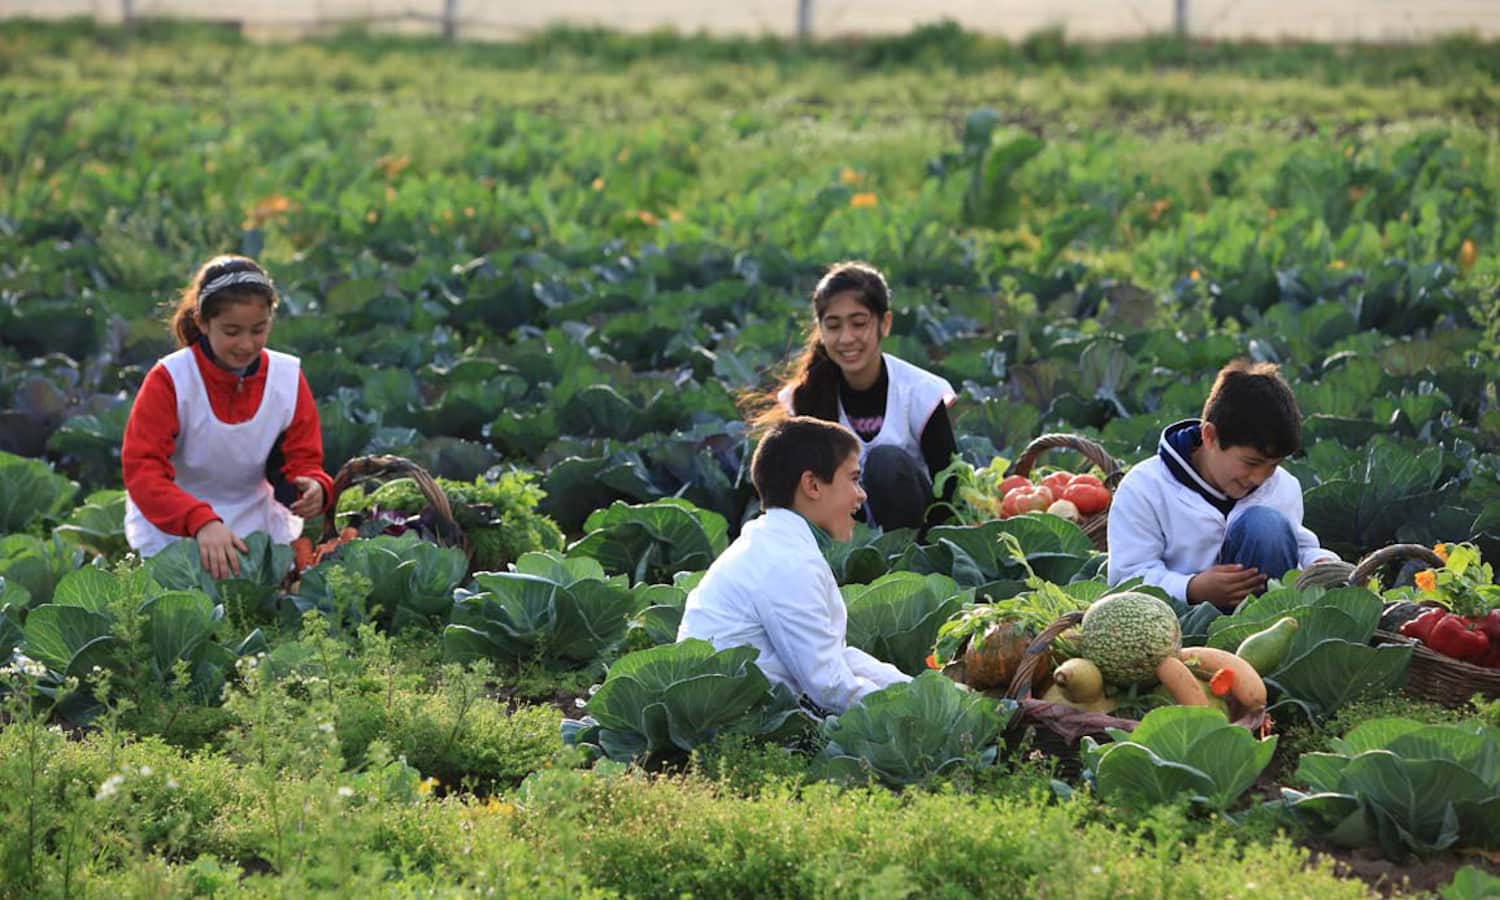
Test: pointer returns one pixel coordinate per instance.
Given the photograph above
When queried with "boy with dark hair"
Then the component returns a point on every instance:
(773, 590)
(1212, 515)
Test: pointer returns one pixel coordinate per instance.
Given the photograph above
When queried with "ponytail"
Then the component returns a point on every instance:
(815, 377)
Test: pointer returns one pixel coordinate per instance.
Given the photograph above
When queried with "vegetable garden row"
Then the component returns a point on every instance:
(547, 272)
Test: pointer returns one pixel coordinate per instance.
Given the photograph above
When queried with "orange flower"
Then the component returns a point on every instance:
(1442, 552)
(867, 198)
(849, 176)
(1427, 580)
(932, 662)
(1195, 275)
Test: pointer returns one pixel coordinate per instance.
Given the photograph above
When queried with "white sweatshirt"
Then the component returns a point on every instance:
(1166, 532)
(773, 590)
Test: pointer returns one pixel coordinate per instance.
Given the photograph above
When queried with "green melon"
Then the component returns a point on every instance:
(1127, 635)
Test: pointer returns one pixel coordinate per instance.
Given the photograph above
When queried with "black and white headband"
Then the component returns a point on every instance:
(248, 276)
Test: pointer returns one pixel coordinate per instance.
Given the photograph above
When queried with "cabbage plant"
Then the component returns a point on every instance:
(673, 698)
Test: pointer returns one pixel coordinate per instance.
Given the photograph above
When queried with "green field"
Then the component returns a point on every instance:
(549, 272)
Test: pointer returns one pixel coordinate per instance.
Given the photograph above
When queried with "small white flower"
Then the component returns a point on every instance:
(171, 783)
(33, 668)
(326, 728)
(1097, 870)
(580, 702)
(346, 791)
(146, 771)
(110, 787)
(96, 670)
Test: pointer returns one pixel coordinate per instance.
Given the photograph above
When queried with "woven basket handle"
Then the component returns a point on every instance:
(1091, 451)
(1395, 553)
(364, 468)
(1036, 656)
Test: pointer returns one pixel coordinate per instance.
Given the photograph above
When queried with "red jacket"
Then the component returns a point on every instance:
(151, 438)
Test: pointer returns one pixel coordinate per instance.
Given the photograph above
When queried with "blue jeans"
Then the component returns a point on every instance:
(1261, 539)
(898, 486)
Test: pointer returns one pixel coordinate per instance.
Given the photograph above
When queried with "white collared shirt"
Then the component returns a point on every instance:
(773, 590)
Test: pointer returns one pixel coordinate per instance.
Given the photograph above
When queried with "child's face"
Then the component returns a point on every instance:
(1235, 471)
(832, 505)
(851, 334)
(238, 333)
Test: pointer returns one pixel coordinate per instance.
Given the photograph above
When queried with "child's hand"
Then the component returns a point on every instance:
(310, 499)
(1224, 585)
(216, 549)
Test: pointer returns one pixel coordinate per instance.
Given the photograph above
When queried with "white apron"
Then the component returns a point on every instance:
(225, 465)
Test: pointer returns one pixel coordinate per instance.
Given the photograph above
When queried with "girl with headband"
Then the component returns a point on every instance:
(898, 411)
(224, 438)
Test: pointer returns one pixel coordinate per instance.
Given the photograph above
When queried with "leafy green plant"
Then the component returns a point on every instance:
(97, 524)
(30, 492)
(1330, 661)
(896, 617)
(911, 732)
(561, 610)
(864, 557)
(1403, 787)
(409, 582)
(671, 699)
(250, 596)
(1176, 753)
(652, 541)
(995, 558)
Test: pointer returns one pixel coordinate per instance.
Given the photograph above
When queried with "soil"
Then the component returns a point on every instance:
(1389, 879)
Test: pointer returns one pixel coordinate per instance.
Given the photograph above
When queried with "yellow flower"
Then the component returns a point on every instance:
(598, 184)
(1468, 254)
(1195, 275)
(867, 198)
(372, 217)
(1442, 552)
(646, 217)
(849, 176)
(427, 785)
(1427, 580)
(675, 215)
(1337, 264)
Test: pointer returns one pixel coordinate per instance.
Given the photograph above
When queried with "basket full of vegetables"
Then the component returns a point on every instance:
(1083, 498)
(1456, 630)
(1122, 657)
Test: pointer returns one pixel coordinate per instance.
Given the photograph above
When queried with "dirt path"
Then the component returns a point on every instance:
(1341, 20)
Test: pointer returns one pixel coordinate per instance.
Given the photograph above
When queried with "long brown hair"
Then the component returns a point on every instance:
(190, 309)
(813, 376)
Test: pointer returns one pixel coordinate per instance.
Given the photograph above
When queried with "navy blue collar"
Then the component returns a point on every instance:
(208, 351)
(1175, 449)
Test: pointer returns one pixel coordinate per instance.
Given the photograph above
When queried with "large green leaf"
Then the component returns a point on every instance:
(30, 492)
(177, 623)
(896, 619)
(909, 732)
(54, 634)
(1334, 672)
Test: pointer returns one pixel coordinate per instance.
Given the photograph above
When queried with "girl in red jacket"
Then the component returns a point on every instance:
(224, 438)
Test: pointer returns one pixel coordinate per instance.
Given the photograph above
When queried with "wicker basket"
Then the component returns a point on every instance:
(1433, 676)
(1385, 562)
(1094, 526)
(386, 468)
(1057, 730)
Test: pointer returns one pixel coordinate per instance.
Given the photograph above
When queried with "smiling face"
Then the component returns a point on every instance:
(832, 505)
(1234, 471)
(851, 333)
(238, 332)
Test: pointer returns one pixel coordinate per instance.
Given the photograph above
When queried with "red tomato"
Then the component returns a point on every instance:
(1091, 499)
(1057, 481)
(1086, 479)
(1025, 500)
(1010, 483)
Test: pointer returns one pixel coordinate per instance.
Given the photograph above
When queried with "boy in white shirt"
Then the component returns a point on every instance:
(773, 590)
(1212, 515)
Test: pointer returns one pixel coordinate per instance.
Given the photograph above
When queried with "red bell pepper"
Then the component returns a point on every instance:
(1490, 625)
(1454, 637)
(1421, 627)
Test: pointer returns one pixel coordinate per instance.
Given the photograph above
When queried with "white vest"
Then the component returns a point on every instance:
(225, 465)
(913, 394)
